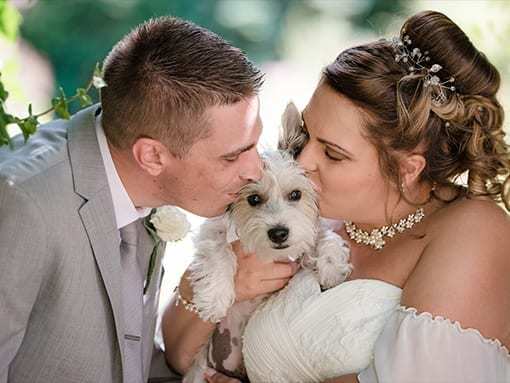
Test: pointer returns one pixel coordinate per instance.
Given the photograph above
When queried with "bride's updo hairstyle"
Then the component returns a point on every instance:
(430, 91)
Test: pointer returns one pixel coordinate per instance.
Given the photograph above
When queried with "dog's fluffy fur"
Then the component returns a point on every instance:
(276, 218)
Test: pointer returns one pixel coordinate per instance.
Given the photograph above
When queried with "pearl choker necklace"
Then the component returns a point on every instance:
(375, 238)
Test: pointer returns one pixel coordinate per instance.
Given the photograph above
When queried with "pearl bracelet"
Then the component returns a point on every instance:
(188, 305)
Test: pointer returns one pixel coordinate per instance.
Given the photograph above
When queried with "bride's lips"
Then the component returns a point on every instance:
(316, 187)
(310, 175)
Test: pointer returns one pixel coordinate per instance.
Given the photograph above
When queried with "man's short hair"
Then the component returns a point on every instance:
(163, 75)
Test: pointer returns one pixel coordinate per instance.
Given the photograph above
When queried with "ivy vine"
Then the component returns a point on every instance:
(59, 105)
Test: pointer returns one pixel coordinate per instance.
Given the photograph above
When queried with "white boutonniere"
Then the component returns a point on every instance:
(165, 223)
(170, 223)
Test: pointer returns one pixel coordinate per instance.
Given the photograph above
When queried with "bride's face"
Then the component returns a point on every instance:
(342, 163)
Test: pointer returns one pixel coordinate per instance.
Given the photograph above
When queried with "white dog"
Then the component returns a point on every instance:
(276, 218)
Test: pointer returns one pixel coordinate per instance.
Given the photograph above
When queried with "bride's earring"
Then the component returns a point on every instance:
(402, 188)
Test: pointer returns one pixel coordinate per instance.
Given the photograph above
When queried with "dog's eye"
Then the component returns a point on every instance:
(295, 195)
(254, 199)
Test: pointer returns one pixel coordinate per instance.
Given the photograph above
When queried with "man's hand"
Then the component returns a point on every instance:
(255, 277)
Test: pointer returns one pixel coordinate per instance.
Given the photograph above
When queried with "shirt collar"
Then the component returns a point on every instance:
(124, 209)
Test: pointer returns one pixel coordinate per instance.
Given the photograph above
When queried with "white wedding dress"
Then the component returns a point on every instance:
(304, 335)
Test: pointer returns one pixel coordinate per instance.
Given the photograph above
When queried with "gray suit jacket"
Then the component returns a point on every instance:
(60, 274)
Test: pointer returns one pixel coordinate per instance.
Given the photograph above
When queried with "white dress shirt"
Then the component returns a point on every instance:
(125, 210)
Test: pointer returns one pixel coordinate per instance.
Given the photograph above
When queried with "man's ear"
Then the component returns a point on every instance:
(151, 155)
(411, 167)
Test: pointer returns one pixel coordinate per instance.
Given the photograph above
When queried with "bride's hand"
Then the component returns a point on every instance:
(211, 376)
(255, 277)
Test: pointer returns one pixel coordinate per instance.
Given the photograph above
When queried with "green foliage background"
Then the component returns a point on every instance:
(75, 34)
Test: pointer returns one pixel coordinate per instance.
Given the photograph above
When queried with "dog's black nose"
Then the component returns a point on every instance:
(278, 234)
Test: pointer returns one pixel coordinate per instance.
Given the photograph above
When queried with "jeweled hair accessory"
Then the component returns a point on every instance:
(418, 63)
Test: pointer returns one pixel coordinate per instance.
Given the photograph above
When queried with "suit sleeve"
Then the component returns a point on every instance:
(23, 250)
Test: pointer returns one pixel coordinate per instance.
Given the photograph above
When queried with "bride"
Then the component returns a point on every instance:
(390, 127)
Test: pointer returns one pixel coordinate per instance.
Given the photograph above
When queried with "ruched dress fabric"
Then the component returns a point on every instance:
(304, 335)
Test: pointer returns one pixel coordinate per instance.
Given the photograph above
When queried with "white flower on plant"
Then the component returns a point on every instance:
(98, 82)
(171, 224)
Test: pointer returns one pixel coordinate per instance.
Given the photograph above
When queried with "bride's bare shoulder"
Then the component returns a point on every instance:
(468, 231)
(462, 273)
(470, 216)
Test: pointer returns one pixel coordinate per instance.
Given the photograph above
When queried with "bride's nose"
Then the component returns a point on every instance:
(307, 158)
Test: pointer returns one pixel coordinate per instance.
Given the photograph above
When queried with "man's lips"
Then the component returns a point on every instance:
(233, 196)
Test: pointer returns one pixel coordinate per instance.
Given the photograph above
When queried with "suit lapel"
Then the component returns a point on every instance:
(97, 212)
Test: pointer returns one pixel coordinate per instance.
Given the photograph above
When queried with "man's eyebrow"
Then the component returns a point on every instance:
(239, 151)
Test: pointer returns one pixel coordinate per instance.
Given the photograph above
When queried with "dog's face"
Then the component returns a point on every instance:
(276, 217)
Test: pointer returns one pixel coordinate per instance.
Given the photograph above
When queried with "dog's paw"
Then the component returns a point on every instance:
(332, 262)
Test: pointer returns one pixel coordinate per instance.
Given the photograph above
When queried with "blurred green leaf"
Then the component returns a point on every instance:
(4, 136)
(61, 109)
(98, 70)
(60, 106)
(6, 117)
(28, 126)
(10, 19)
(83, 97)
(3, 93)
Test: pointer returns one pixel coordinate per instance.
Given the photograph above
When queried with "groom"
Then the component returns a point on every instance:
(177, 125)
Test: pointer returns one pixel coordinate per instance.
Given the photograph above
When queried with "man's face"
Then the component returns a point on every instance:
(206, 180)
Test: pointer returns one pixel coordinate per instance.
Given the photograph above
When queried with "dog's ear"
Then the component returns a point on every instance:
(292, 135)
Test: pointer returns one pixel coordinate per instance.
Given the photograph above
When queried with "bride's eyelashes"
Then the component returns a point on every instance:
(334, 155)
(330, 153)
